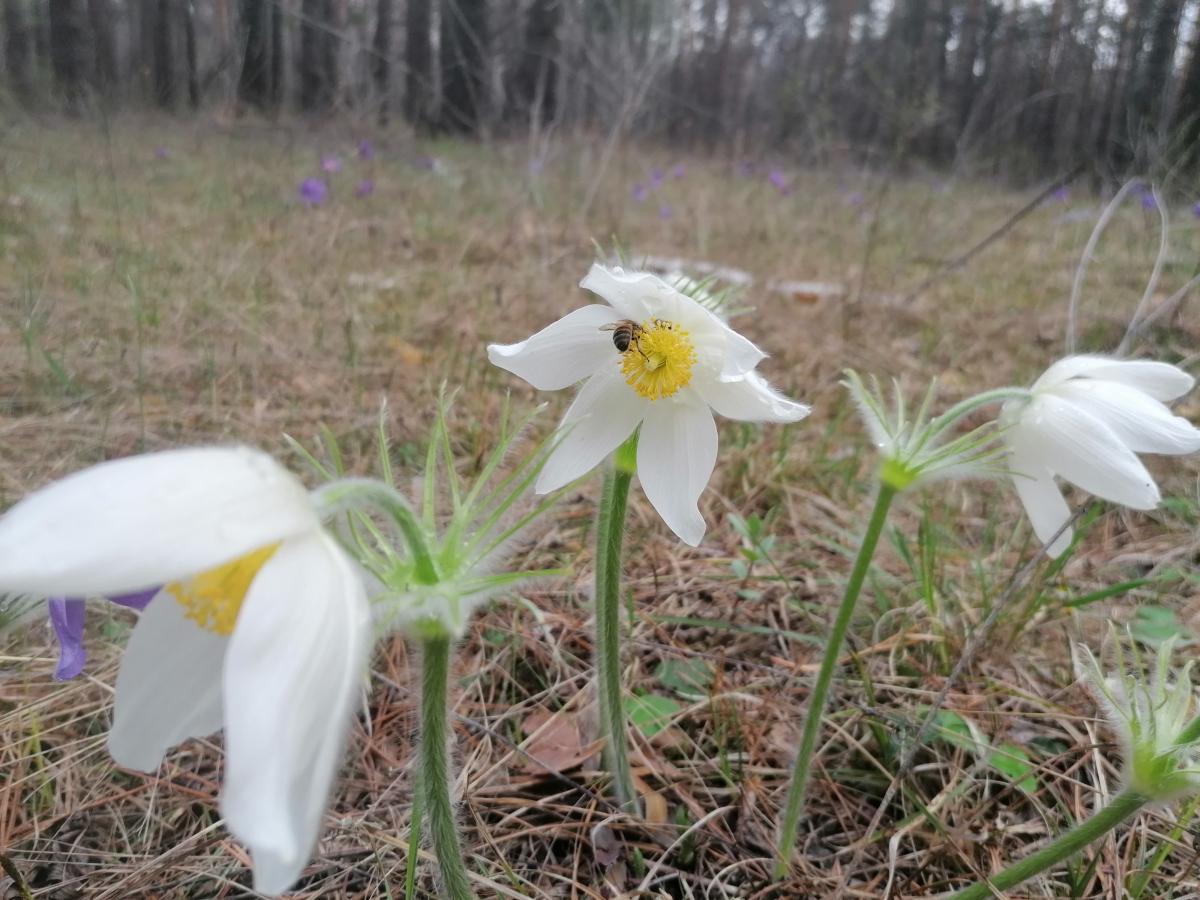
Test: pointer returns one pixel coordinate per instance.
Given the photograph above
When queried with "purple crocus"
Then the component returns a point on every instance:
(313, 192)
(1061, 195)
(365, 149)
(331, 165)
(1147, 198)
(161, 153)
(678, 171)
(665, 212)
(1196, 209)
(640, 192)
(657, 177)
(780, 181)
(365, 188)
(67, 616)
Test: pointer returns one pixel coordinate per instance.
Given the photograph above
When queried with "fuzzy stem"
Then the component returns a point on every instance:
(1122, 806)
(610, 531)
(794, 808)
(434, 779)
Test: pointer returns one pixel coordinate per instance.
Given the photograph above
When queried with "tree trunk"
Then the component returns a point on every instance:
(189, 37)
(418, 52)
(381, 59)
(278, 54)
(464, 55)
(1187, 110)
(156, 29)
(318, 55)
(254, 83)
(536, 78)
(18, 42)
(101, 16)
(67, 50)
(1155, 75)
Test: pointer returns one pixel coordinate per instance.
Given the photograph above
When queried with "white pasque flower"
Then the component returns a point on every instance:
(261, 625)
(1086, 420)
(682, 365)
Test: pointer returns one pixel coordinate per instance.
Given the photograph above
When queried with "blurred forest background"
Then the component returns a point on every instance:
(1020, 88)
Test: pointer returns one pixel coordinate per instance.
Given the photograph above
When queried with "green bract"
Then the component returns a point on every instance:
(914, 448)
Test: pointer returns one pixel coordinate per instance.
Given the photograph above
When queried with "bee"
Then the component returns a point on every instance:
(626, 334)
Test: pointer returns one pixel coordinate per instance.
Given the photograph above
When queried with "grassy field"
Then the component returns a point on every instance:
(162, 285)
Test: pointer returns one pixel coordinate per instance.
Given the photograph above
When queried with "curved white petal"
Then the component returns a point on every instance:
(146, 520)
(1161, 381)
(563, 352)
(293, 676)
(603, 415)
(676, 454)
(168, 687)
(1142, 423)
(1083, 450)
(751, 399)
(1043, 501)
(626, 292)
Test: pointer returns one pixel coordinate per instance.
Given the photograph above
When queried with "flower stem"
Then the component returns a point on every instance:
(1122, 806)
(794, 808)
(434, 778)
(610, 532)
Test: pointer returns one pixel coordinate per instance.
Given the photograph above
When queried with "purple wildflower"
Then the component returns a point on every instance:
(161, 153)
(1196, 209)
(745, 168)
(331, 165)
(855, 198)
(1148, 201)
(313, 192)
(536, 166)
(678, 170)
(640, 192)
(665, 212)
(657, 177)
(365, 188)
(67, 617)
(780, 181)
(365, 149)
(1061, 195)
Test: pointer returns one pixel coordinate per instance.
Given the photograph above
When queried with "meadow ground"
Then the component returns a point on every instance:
(163, 285)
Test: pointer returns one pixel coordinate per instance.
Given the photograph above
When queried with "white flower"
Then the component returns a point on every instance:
(261, 625)
(1086, 420)
(683, 364)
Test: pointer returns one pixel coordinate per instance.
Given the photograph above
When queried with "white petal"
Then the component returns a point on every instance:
(676, 454)
(1142, 423)
(562, 353)
(626, 292)
(168, 688)
(1043, 501)
(293, 677)
(1161, 381)
(146, 520)
(601, 418)
(751, 399)
(1084, 451)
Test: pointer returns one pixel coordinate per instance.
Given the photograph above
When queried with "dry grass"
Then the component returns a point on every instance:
(151, 302)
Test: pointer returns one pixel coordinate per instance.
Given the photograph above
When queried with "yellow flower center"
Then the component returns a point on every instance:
(660, 360)
(214, 598)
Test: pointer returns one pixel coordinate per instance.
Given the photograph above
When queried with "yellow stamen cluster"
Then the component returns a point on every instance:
(660, 361)
(214, 598)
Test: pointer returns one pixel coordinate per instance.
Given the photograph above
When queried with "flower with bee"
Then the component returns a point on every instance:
(652, 360)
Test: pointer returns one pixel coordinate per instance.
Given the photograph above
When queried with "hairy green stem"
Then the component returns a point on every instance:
(434, 778)
(610, 532)
(1122, 806)
(794, 808)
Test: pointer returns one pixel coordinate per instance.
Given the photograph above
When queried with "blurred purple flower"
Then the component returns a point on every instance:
(536, 165)
(365, 188)
(1196, 209)
(657, 177)
(1147, 198)
(678, 170)
(855, 198)
(313, 192)
(745, 168)
(639, 193)
(1062, 195)
(366, 150)
(330, 165)
(67, 616)
(161, 153)
(665, 212)
(780, 181)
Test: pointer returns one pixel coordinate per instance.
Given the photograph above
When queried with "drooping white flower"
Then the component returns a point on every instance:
(682, 365)
(261, 625)
(1085, 421)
